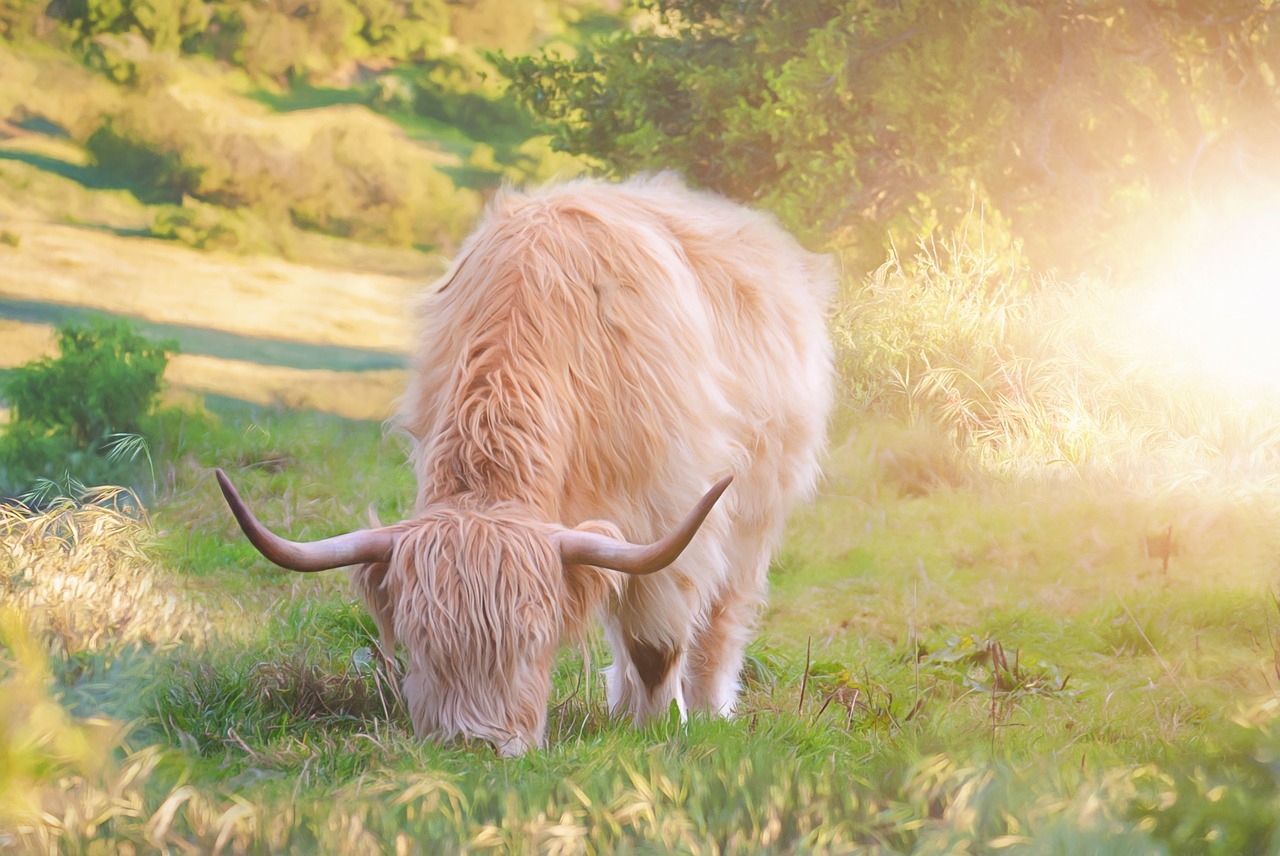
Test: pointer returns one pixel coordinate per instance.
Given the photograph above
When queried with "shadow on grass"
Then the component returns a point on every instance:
(89, 177)
(306, 97)
(119, 231)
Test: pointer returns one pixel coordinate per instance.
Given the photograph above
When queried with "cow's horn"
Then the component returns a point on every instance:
(590, 548)
(353, 548)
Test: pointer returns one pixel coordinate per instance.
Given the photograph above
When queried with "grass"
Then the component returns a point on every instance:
(966, 646)
(991, 666)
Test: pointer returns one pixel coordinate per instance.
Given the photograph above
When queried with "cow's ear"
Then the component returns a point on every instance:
(587, 587)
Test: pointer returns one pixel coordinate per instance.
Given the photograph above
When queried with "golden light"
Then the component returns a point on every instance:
(1213, 312)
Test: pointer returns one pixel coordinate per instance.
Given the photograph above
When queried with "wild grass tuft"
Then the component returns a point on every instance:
(80, 570)
(1028, 377)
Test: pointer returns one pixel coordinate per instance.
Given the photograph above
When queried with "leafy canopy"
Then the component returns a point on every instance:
(1072, 121)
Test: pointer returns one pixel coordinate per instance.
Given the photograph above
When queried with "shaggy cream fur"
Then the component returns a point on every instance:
(600, 352)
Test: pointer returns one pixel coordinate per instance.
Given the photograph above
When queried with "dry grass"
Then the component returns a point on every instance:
(80, 573)
(21, 342)
(77, 587)
(1037, 379)
(354, 395)
(43, 82)
(173, 285)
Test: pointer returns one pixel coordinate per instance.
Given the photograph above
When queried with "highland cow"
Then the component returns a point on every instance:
(595, 358)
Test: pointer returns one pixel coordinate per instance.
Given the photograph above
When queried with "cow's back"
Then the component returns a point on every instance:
(636, 342)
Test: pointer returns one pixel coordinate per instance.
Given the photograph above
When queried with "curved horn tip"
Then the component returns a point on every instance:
(585, 548)
(351, 548)
(224, 482)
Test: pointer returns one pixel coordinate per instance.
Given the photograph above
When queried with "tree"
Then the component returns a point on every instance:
(853, 119)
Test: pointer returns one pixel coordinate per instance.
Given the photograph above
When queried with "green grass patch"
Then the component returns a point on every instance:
(989, 667)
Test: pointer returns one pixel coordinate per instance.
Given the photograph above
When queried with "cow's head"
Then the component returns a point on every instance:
(480, 598)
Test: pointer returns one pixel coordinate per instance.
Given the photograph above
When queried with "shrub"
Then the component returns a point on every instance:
(349, 173)
(164, 25)
(156, 174)
(460, 92)
(378, 187)
(65, 410)
(207, 227)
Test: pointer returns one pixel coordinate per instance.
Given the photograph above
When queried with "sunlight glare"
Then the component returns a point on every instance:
(1214, 312)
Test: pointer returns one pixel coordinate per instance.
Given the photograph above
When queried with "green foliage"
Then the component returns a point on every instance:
(291, 40)
(982, 665)
(848, 118)
(20, 18)
(281, 39)
(206, 227)
(67, 410)
(403, 29)
(164, 25)
(461, 95)
(353, 176)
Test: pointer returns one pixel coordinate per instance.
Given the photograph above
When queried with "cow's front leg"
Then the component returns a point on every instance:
(649, 634)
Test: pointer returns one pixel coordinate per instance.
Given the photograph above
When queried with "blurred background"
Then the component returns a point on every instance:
(1057, 222)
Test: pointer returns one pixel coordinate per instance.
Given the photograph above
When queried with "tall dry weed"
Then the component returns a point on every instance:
(79, 574)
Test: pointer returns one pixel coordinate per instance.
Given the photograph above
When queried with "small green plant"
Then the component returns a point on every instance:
(982, 665)
(73, 413)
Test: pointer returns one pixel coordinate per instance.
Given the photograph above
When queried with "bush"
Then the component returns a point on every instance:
(155, 173)
(349, 173)
(283, 40)
(164, 25)
(207, 227)
(67, 410)
(460, 92)
(377, 187)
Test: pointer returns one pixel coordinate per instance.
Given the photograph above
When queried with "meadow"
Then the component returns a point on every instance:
(1033, 607)
(963, 651)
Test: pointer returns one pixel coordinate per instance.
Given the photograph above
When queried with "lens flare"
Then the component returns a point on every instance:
(1214, 312)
